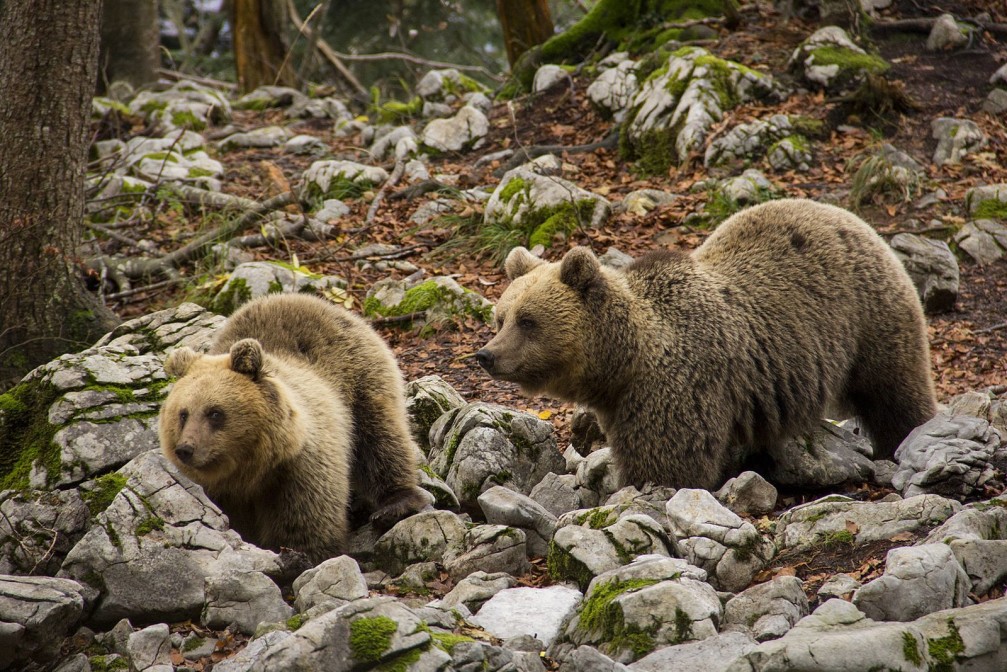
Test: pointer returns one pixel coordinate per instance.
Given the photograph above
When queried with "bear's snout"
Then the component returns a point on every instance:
(183, 452)
(486, 359)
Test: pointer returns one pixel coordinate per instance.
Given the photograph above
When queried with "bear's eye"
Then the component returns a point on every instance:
(183, 415)
(215, 416)
(526, 323)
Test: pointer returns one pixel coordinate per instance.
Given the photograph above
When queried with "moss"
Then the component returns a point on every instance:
(836, 538)
(808, 126)
(200, 172)
(910, 649)
(104, 491)
(108, 663)
(153, 106)
(563, 566)
(170, 157)
(370, 637)
(422, 297)
(186, 119)
(401, 663)
(848, 59)
(744, 551)
(192, 643)
(512, 188)
(945, 651)
(340, 187)
(26, 436)
(448, 641)
(396, 112)
(991, 209)
(231, 297)
(296, 621)
(148, 525)
(453, 442)
(601, 614)
(599, 518)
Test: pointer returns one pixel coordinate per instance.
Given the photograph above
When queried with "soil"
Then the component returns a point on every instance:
(969, 344)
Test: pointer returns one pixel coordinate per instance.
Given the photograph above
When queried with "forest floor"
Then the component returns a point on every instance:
(968, 344)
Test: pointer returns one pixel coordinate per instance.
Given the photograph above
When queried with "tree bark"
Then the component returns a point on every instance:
(48, 65)
(525, 24)
(260, 55)
(130, 38)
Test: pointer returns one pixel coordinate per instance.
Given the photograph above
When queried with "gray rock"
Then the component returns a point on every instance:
(713, 654)
(598, 475)
(614, 88)
(427, 399)
(150, 647)
(538, 612)
(932, 266)
(589, 659)
(36, 612)
(838, 638)
(996, 102)
(746, 189)
(492, 548)
(330, 179)
(832, 518)
(748, 493)
(440, 299)
(419, 538)
(956, 138)
(400, 142)
(987, 404)
(336, 579)
(481, 445)
(557, 493)
(189, 324)
(269, 96)
(476, 588)
(445, 84)
(748, 141)
(976, 198)
(258, 278)
(791, 153)
(946, 34)
(838, 585)
(985, 240)
(687, 95)
(828, 456)
(38, 528)
(1000, 76)
(462, 132)
(769, 609)
(948, 456)
(918, 580)
(815, 60)
(245, 659)
(978, 538)
(548, 76)
(659, 596)
(717, 539)
(523, 194)
(638, 202)
(503, 506)
(151, 550)
(243, 599)
(267, 136)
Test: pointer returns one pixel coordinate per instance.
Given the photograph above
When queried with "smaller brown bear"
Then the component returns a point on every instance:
(297, 412)
(694, 362)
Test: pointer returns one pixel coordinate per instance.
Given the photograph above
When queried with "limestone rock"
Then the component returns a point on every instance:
(770, 609)
(918, 580)
(528, 611)
(956, 138)
(932, 266)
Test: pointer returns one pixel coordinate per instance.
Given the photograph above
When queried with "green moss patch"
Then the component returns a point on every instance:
(946, 651)
(562, 566)
(148, 525)
(26, 436)
(601, 614)
(848, 59)
(371, 637)
(232, 297)
(991, 209)
(448, 641)
(104, 491)
(425, 296)
(910, 649)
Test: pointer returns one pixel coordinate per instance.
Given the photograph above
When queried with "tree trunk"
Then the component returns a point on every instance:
(129, 43)
(525, 24)
(259, 49)
(48, 60)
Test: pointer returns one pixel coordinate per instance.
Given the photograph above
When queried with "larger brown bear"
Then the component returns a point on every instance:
(298, 410)
(693, 362)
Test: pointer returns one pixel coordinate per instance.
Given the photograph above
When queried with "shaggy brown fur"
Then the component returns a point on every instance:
(692, 362)
(298, 410)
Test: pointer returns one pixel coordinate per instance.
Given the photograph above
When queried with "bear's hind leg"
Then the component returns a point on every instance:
(892, 404)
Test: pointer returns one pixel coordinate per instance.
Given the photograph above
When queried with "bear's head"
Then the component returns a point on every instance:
(544, 323)
(227, 417)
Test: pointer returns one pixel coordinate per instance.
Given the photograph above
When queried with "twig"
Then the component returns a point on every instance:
(524, 154)
(398, 319)
(927, 24)
(328, 52)
(419, 189)
(115, 235)
(397, 254)
(410, 58)
(175, 75)
(986, 330)
(146, 288)
(393, 179)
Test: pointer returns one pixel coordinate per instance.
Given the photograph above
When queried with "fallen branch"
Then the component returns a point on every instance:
(179, 76)
(397, 254)
(393, 179)
(421, 189)
(132, 268)
(927, 24)
(410, 58)
(995, 327)
(117, 296)
(325, 50)
(525, 154)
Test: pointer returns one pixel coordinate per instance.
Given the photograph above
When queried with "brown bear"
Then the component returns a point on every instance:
(694, 362)
(297, 412)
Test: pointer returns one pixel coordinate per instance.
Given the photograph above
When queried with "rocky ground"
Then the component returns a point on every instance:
(682, 568)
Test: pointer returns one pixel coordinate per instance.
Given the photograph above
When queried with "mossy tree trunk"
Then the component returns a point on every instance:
(48, 65)
(260, 53)
(525, 23)
(130, 40)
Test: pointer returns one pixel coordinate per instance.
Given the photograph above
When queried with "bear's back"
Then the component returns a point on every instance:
(337, 345)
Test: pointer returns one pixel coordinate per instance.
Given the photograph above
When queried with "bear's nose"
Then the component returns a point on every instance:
(485, 359)
(183, 452)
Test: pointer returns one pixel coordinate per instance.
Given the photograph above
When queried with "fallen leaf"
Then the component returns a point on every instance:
(544, 415)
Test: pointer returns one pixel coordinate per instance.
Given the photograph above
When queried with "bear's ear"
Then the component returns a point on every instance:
(519, 262)
(246, 357)
(179, 361)
(579, 268)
